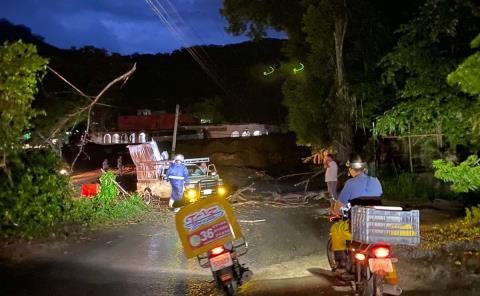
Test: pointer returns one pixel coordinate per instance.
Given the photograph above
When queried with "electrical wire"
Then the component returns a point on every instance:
(165, 17)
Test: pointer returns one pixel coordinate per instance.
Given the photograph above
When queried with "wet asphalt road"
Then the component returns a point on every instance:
(286, 254)
(147, 259)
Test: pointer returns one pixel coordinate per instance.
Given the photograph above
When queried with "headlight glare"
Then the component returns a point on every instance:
(192, 194)
(221, 190)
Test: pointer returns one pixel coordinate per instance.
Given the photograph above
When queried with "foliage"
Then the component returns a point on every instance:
(414, 187)
(21, 67)
(107, 205)
(464, 176)
(467, 75)
(40, 199)
(338, 91)
(208, 109)
(427, 51)
(37, 197)
(464, 229)
(255, 17)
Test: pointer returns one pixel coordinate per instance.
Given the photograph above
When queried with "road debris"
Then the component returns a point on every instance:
(252, 221)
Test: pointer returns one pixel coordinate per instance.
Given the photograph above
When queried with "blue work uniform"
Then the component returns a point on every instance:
(177, 174)
(361, 186)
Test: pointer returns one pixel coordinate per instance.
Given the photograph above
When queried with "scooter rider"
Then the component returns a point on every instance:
(177, 175)
(362, 190)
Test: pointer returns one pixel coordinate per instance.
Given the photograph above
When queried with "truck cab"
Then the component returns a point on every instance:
(204, 180)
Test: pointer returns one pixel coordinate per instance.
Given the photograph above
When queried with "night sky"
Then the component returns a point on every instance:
(124, 26)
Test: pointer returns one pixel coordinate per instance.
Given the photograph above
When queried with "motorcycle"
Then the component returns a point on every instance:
(226, 269)
(370, 267)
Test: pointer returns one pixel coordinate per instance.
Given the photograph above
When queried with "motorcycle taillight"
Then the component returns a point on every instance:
(217, 251)
(381, 251)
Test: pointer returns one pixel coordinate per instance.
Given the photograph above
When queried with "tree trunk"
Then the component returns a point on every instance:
(343, 143)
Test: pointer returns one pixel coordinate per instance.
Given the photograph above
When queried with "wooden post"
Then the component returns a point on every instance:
(175, 127)
(410, 153)
(439, 136)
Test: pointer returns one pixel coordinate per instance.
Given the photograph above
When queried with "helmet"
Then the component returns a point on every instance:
(356, 162)
(179, 158)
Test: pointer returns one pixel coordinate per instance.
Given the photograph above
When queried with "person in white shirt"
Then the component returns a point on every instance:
(331, 172)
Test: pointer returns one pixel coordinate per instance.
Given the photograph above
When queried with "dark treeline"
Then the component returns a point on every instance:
(239, 93)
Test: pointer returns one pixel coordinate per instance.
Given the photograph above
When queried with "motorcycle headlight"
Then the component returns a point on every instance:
(221, 190)
(192, 194)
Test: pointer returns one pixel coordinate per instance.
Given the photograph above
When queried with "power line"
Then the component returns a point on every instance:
(164, 17)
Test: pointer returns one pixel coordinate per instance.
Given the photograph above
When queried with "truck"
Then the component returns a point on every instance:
(202, 184)
(151, 171)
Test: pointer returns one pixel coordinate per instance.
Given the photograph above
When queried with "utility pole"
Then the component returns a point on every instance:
(175, 127)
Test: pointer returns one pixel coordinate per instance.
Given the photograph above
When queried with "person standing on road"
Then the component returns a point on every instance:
(164, 155)
(177, 175)
(105, 165)
(120, 165)
(331, 172)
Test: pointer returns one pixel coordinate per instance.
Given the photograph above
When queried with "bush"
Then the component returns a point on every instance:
(35, 196)
(106, 205)
(415, 187)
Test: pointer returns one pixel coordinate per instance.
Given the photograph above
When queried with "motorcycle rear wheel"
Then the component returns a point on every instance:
(230, 288)
(370, 284)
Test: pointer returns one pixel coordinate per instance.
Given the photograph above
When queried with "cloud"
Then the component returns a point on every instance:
(126, 26)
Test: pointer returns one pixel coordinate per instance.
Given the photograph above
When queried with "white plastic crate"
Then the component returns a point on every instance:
(370, 225)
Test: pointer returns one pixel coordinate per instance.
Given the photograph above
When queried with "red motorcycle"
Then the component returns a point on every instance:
(371, 265)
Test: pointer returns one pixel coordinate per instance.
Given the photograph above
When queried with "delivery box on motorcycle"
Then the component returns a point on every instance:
(206, 224)
(385, 224)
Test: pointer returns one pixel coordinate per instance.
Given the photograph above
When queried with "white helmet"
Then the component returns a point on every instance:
(356, 162)
(179, 158)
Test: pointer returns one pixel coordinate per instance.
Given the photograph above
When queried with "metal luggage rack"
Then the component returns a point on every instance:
(197, 160)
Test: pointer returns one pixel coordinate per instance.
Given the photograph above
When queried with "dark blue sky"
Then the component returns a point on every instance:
(124, 26)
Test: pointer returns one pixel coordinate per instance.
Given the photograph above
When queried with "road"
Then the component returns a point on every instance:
(286, 253)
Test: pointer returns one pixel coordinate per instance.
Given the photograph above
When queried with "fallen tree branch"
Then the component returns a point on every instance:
(293, 175)
(252, 221)
(119, 186)
(238, 195)
(88, 108)
(307, 181)
(69, 83)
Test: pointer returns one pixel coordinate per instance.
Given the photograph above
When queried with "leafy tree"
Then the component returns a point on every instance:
(466, 175)
(21, 68)
(339, 42)
(208, 109)
(429, 48)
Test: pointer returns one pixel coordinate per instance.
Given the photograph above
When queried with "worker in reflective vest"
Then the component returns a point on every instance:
(177, 175)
